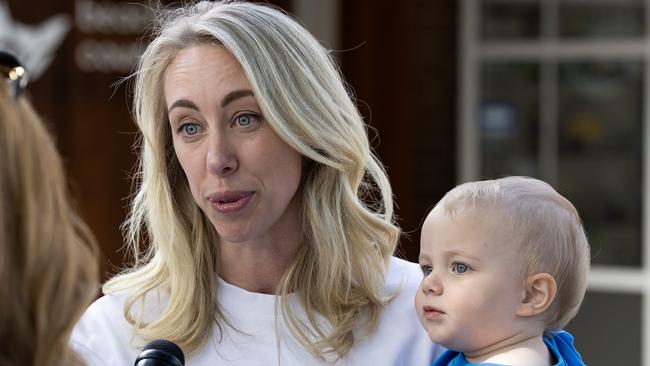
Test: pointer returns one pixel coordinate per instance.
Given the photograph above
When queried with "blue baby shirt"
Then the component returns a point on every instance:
(559, 343)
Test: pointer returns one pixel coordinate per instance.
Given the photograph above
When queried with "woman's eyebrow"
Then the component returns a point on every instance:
(236, 94)
(184, 103)
(229, 98)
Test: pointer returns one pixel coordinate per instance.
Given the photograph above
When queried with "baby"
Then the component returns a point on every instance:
(505, 266)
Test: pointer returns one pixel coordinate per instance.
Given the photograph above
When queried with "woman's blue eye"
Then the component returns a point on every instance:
(244, 120)
(189, 129)
(459, 268)
(426, 270)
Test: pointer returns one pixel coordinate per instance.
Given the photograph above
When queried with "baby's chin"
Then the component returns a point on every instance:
(452, 344)
(445, 341)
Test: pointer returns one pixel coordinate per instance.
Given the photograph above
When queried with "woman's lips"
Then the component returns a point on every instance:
(230, 202)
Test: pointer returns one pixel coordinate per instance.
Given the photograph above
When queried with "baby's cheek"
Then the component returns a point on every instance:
(418, 303)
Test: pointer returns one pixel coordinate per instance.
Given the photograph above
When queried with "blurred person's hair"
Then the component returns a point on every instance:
(540, 224)
(48, 257)
(348, 229)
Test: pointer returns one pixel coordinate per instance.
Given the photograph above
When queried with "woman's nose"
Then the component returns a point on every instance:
(222, 157)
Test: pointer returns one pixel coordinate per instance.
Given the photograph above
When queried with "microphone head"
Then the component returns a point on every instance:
(161, 352)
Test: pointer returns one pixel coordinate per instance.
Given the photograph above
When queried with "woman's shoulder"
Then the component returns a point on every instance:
(110, 307)
(402, 274)
(103, 336)
(399, 338)
(107, 309)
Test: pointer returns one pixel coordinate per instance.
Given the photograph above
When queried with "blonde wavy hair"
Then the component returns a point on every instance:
(348, 231)
(48, 262)
(542, 225)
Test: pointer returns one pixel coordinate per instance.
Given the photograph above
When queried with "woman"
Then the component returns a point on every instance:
(48, 264)
(262, 226)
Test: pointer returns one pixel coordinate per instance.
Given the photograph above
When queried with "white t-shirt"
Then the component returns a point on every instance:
(103, 337)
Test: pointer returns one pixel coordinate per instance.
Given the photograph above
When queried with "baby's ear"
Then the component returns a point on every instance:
(540, 293)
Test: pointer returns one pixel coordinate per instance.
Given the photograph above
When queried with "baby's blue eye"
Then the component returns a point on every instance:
(190, 129)
(460, 268)
(426, 270)
(244, 120)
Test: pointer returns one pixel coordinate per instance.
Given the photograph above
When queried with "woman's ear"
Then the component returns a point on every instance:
(540, 293)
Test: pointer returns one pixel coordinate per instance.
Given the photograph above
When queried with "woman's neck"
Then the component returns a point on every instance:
(258, 264)
(528, 352)
(253, 268)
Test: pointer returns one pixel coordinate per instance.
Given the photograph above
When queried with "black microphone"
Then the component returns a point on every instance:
(160, 352)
